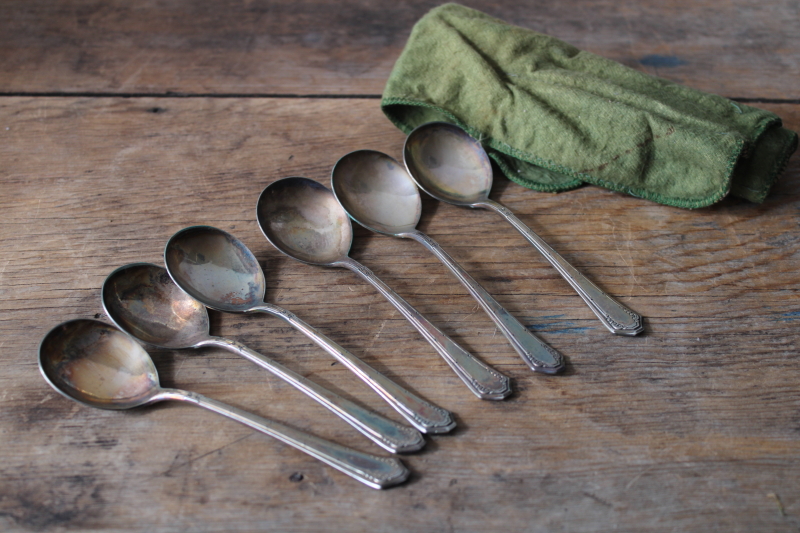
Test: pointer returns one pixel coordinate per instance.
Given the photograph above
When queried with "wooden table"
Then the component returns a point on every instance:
(123, 122)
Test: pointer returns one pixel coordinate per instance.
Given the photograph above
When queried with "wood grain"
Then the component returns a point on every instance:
(692, 426)
(737, 48)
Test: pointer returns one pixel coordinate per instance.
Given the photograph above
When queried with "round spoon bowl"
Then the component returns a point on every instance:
(448, 164)
(98, 365)
(302, 219)
(377, 192)
(215, 268)
(142, 300)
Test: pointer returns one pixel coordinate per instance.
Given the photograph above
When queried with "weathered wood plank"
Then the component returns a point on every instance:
(692, 426)
(738, 48)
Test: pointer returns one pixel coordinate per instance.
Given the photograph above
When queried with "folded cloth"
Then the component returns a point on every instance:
(554, 117)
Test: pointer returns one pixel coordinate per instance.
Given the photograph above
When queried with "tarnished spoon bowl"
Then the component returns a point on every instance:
(377, 192)
(215, 268)
(448, 164)
(98, 365)
(302, 219)
(142, 300)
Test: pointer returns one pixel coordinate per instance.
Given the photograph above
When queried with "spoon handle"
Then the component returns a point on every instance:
(422, 415)
(537, 355)
(386, 433)
(372, 470)
(484, 381)
(614, 316)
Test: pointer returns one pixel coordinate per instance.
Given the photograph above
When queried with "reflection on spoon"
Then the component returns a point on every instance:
(380, 195)
(97, 365)
(302, 219)
(453, 167)
(142, 300)
(217, 269)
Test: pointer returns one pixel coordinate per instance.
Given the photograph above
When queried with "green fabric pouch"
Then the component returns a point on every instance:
(554, 117)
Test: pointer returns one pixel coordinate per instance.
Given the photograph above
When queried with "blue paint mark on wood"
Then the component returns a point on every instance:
(553, 325)
(786, 317)
(655, 60)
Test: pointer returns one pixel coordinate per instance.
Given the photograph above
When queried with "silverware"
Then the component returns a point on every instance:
(97, 365)
(218, 270)
(302, 219)
(380, 195)
(142, 300)
(451, 166)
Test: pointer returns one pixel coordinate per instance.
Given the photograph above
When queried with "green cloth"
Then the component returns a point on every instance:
(554, 117)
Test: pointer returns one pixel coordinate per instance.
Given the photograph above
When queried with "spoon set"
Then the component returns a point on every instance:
(102, 366)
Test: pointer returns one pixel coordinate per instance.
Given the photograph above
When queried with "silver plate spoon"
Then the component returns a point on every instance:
(380, 195)
(302, 219)
(97, 365)
(142, 300)
(453, 167)
(217, 269)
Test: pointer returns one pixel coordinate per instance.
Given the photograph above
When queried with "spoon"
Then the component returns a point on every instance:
(302, 219)
(217, 269)
(380, 195)
(97, 365)
(142, 300)
(451, 166)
